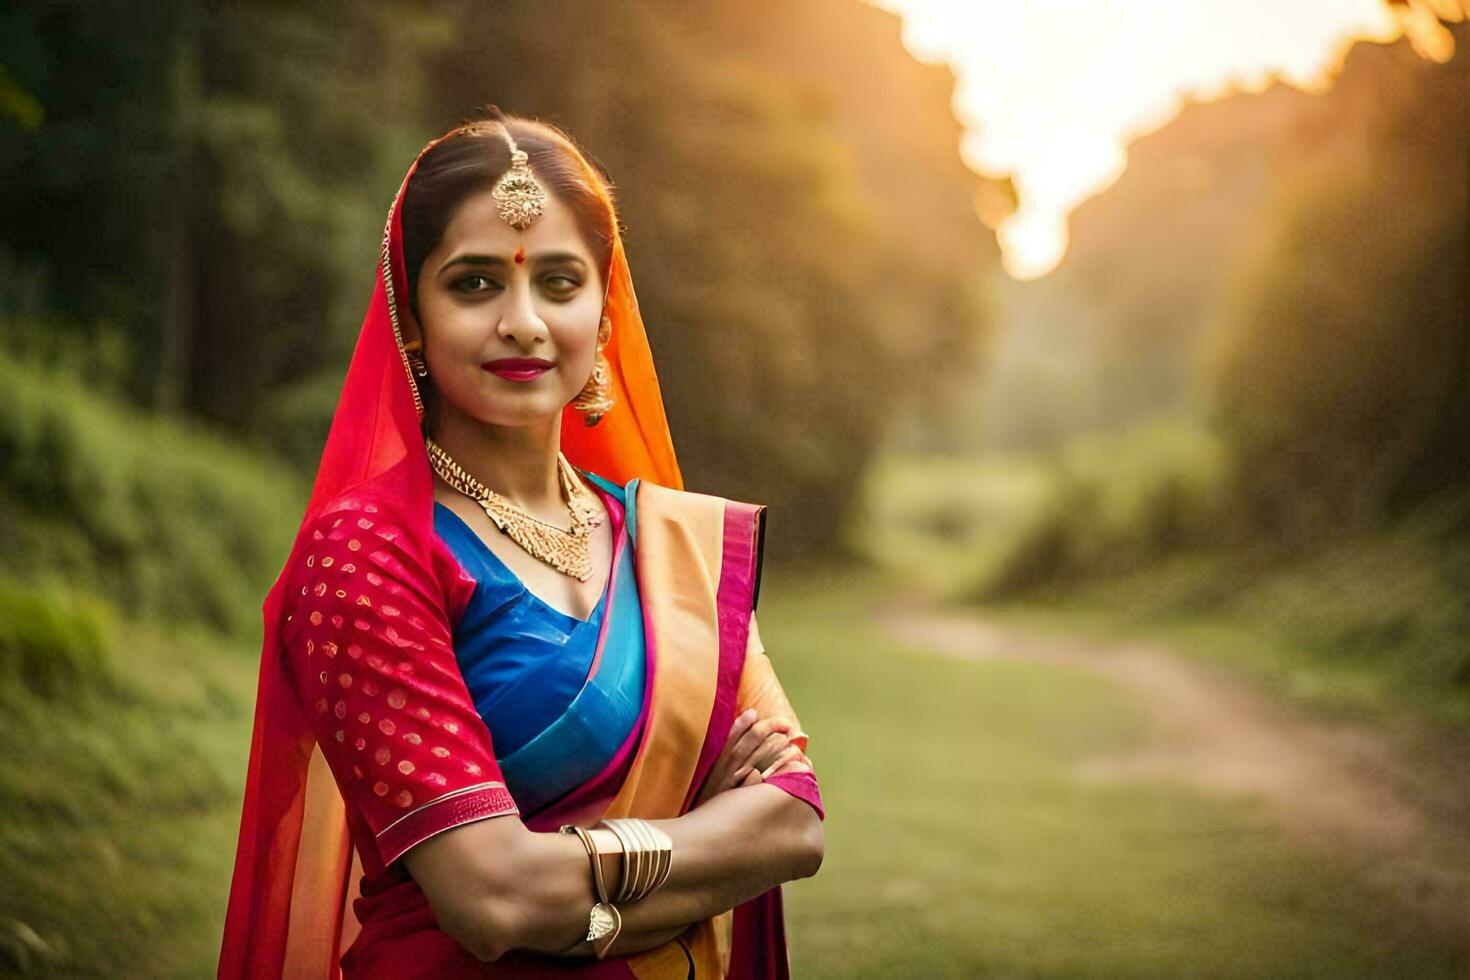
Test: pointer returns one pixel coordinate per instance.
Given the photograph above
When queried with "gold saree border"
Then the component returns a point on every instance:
(695, 556)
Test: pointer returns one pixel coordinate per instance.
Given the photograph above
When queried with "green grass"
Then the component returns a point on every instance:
(1009, 522)
(962, 843)
(125, 721)
(121, 803)
(1370, 628)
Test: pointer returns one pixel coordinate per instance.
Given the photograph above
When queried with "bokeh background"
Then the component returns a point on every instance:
(1103, 366)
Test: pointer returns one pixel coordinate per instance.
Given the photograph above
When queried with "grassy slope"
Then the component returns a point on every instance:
(122, 803)
(124, 721)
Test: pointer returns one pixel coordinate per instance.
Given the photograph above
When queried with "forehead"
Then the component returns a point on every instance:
(476, 226)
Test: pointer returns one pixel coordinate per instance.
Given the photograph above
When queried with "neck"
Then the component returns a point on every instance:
(517, 462)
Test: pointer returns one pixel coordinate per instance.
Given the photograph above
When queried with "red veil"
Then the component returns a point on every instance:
(289, 896)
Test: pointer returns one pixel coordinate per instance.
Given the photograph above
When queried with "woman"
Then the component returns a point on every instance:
(511, 668)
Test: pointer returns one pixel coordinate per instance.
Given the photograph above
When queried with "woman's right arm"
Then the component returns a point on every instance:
(497, 886)
(740, 839)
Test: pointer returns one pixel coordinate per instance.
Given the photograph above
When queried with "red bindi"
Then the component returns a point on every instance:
(520, 256)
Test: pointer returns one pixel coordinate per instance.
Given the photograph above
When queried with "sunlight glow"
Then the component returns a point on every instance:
(1052, 92)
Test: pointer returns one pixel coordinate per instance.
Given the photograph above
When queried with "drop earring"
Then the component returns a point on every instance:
(416, 362)
(595, 398)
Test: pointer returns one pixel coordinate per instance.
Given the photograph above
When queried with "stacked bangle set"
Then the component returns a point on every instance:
(647, 860)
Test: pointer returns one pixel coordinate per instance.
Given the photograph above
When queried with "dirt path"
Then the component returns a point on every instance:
(1343, 789)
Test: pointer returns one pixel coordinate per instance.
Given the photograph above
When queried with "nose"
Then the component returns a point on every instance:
(521, 324)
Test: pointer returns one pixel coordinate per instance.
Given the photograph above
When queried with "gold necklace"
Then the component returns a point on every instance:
(565, 549)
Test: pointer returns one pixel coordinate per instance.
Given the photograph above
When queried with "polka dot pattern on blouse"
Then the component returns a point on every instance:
(368, 648)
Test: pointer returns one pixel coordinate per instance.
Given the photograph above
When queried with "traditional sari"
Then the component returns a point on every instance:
(393, 647)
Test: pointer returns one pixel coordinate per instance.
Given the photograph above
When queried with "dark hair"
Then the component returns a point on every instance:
(475, 157)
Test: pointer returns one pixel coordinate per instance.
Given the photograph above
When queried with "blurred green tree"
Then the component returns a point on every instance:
(210, 180)
(203, 182)
(1342, 380)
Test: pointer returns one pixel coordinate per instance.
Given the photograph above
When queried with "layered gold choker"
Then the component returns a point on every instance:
(565, 549)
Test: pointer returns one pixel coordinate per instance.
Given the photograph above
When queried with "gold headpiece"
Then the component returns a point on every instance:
(519, 199)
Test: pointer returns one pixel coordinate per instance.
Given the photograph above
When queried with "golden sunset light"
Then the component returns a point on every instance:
(1053, 91)
(1081, 388)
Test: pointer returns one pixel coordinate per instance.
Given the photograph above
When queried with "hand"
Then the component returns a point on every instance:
(755, 748)
(793, 760)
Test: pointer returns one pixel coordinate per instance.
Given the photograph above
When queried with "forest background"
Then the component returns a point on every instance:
(1233, 421)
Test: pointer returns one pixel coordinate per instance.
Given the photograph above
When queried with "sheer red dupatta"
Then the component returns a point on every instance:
(289, 894)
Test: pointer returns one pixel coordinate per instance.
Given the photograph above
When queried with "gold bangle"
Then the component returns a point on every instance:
(665, 852)
(655, 857)
(592, 854)
(641, 881)
(632, 881)
(605, 847)
(629, 857)
(647, 856)
(604, 921)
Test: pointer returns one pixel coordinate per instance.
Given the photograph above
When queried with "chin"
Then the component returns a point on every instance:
(510, 409)
(533, 411)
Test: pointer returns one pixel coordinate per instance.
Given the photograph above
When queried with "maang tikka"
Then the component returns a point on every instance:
(518, 198)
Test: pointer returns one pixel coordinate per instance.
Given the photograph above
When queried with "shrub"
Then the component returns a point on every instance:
(161, 516)
(49, 645)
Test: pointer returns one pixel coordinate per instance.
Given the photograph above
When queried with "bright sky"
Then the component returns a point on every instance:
(1052, 91)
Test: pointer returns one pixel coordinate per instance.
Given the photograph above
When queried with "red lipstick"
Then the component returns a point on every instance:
(518, 368)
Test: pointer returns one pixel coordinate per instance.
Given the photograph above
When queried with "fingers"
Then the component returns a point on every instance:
(741, 725)
(720, 772)
(790, 760)
(789, 754)
(755, 736)
(767, 752)
(739, 730)
(754, 744)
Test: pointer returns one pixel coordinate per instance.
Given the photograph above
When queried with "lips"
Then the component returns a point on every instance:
(518, 368)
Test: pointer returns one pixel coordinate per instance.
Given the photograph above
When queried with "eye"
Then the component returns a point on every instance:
(571, 283)
(474, 283)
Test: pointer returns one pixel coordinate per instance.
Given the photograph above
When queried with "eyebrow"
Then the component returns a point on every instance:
(546, 258)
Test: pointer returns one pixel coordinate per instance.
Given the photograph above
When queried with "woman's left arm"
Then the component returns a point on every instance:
(761, 689)
(740, 844)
